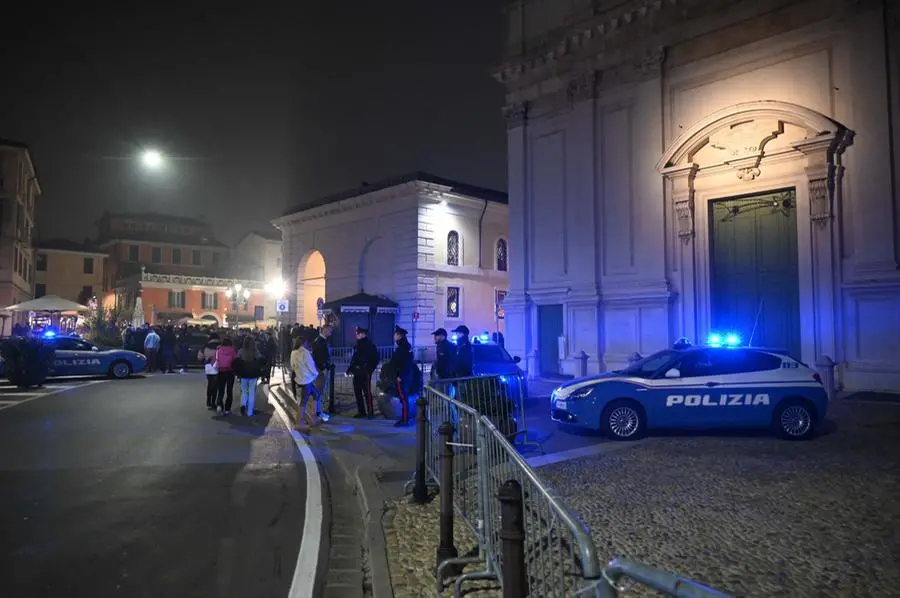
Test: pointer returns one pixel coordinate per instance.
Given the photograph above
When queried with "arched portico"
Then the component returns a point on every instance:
(747, 150)
(311, 279)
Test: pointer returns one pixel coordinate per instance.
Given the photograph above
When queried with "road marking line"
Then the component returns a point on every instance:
(54, 390)
(304, 580)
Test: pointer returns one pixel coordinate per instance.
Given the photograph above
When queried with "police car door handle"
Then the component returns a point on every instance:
(711, 384)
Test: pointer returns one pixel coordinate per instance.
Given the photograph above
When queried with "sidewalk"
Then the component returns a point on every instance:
(367, 463)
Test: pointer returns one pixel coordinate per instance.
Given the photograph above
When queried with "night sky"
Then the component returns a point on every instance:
(266, 105)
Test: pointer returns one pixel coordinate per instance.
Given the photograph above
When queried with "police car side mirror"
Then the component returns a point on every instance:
(95, 348)
(673, 373)
(517, 359)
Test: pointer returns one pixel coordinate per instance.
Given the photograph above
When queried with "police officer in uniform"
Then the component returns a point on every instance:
(401, 367)
(362, 364)
(445, 356)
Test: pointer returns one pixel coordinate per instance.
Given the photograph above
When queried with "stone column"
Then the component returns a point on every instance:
(681, 179)
(516, 306)
(823, 176)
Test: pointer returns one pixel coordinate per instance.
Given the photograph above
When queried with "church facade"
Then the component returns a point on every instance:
(689, 167)
(437, 248)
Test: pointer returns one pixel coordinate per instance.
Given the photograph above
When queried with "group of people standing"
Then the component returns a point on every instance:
(248, 358)
(310, 374)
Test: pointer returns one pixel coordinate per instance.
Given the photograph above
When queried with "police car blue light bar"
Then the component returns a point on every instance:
(723, 340)
(485, 337)
(49, 334)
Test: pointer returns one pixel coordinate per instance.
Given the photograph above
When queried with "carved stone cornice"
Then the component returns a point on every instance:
(581, 87)
(515, 114)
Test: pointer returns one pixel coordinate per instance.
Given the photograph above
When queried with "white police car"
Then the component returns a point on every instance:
(720, 385)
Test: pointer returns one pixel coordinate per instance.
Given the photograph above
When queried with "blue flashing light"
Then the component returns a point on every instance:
(49, 334)
(727, 340)
(503, 379)
(485, 337)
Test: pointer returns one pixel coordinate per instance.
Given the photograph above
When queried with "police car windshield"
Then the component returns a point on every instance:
(651, 364)
(491, 354)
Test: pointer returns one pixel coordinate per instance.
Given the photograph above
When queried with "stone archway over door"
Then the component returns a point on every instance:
(756, 148)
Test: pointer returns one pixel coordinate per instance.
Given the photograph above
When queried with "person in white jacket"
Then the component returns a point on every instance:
(305, 372)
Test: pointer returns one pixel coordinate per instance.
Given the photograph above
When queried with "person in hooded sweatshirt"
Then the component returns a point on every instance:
(225, 355)
(249, 367)
(207, 355)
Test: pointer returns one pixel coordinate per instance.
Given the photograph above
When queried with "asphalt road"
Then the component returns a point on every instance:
(132, 488)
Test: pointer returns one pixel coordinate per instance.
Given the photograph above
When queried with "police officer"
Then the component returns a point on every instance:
(445, 356)
(464, 357)
(401, 367)
(362, 364)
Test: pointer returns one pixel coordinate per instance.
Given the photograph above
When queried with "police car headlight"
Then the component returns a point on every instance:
(581, 393)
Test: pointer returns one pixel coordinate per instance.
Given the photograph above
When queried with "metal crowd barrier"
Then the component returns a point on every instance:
(527, 538)
(501, 397)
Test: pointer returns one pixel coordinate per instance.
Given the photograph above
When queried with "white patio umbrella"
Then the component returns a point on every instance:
(138, 318)
(48, 303)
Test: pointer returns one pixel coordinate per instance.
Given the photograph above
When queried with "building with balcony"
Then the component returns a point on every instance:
(19, 189)
(68, 269)
(683, 167)
(436, 248)
(170, 244)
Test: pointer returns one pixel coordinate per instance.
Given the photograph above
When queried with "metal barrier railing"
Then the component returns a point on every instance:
(501, 397)
(527, 538)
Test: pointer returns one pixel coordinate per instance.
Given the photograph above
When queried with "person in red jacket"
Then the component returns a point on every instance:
(225, 355)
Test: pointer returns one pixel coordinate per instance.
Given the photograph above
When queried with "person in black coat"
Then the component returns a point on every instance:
(401, 367)
(362, 365)
(464, 357)
(445, 356)
(321, 355)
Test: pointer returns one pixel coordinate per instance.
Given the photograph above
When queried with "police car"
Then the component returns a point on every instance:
(75, 356)
(719, 385)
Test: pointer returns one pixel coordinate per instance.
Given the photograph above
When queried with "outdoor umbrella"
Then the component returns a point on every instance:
(48, 303)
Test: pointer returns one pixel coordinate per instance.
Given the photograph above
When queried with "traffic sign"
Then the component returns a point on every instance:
(415, 316)
(281, 306)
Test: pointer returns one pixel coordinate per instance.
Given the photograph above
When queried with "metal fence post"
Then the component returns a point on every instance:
(331, 407)
(512, 533)
(446, 549)
(420, 491)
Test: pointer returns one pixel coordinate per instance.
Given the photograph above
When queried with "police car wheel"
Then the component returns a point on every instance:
(623, 420)
(794, 420)
(120, 370)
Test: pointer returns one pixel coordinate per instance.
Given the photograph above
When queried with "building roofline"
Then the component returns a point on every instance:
(457, 187)
(24, 146)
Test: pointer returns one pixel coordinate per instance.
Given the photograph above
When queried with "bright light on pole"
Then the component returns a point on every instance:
(152, 159)
(276, 289)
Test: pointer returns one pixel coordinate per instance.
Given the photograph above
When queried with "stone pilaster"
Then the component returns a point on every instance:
(681, 181)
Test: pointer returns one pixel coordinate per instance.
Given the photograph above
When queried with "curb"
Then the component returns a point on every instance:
(371, 500)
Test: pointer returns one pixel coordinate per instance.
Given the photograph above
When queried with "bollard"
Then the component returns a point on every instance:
(331, 405)
(825, 365)
(582, 357)
(420, 491)
(446, 549)
(512, 535)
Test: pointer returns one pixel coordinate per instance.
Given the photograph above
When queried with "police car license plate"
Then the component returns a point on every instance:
(561, 405)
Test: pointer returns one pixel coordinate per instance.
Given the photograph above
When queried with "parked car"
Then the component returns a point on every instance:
(75, 356)
(711, 386)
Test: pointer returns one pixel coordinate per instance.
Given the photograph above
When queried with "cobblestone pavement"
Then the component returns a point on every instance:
(749, 515)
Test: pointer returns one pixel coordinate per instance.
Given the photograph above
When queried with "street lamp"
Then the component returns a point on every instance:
(238, 296)
(276, 289)
(152, 159)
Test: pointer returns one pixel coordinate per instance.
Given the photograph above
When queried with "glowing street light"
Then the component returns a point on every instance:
(276, 289)
(152, 159)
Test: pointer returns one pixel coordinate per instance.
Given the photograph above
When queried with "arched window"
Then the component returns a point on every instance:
(453, 248)
(502, 264)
